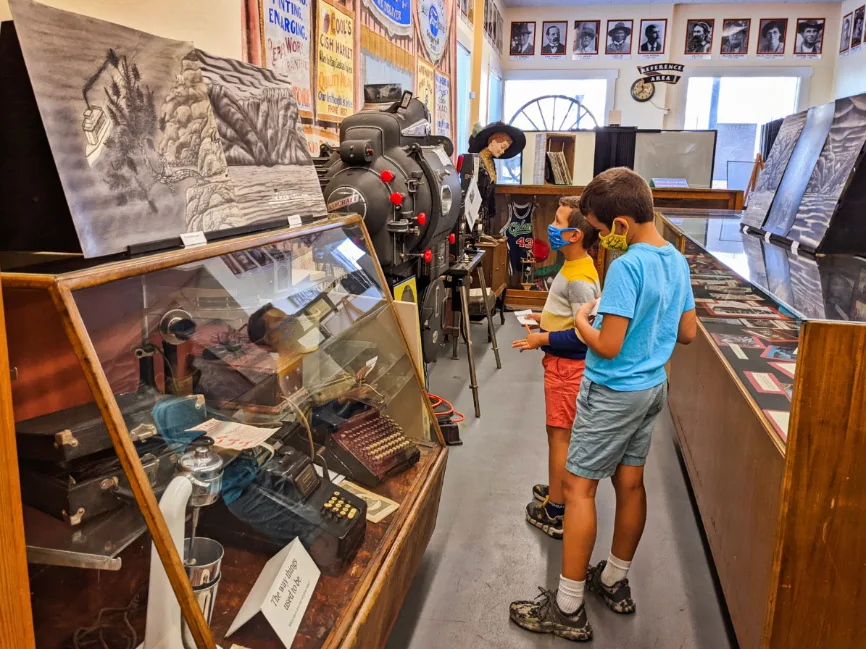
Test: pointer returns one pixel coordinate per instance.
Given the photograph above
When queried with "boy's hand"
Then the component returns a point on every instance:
(532, 341)
(586, 309)
(536, 317)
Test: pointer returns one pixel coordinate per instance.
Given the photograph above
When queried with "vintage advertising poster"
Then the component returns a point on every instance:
(394, 15)
(425, 86)
(443, 106)
(317, 136)
(286, 31)
(335, 64)
(433, 27)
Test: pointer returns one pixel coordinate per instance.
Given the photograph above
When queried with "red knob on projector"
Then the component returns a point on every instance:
(428, 255)
(396, 198)
(452, 238)
(422, 219)
(459, 163)
(387, 175)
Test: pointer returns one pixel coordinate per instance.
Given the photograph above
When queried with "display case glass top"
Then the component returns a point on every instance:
(272, 369)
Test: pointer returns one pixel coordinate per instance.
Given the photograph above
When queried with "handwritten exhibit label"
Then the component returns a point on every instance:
(282, 592)
(286, 36)
(335, 90)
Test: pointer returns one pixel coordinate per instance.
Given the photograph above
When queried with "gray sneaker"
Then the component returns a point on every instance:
(540, 492)
(544, 616)
(617, 597)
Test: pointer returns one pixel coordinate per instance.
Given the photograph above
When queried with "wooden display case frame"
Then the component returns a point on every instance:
(780, 518)
(365, 623)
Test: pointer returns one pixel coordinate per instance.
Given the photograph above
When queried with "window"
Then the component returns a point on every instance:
(736, 107)
(464, 89)
(494, 96)
(559, 115)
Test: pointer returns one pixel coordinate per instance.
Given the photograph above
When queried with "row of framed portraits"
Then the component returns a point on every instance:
(852, 30)
(620, 38)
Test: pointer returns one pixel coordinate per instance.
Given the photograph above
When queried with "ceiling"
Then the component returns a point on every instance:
(586, 3)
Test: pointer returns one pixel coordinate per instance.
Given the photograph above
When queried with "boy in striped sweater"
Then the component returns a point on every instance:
(564, 353)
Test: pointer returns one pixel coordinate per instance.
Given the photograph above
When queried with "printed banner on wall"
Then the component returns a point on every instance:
(286, 29)
(443, 106)
(433, 27)
(425, 86)
(335, 70)
(394, 15)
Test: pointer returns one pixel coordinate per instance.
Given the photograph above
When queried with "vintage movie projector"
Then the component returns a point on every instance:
(401, 180)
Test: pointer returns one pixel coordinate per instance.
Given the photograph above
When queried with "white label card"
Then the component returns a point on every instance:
(795, 247)
(193, 239)
(443, 157)
(767, 237)
(738, 352)
(282, 592)
(295, 221)
(234, 436)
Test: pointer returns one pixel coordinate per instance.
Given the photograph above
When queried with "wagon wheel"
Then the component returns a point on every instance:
(553, 113)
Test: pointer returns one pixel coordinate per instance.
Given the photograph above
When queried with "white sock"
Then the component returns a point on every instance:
(569, 597)
(615, 570)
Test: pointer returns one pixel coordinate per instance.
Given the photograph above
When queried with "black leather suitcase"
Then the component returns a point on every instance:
(78, 432)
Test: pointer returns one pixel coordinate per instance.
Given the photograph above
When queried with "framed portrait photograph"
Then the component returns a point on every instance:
(553, 35)
(810, 36)
(735, 35)
(773, 35)
(857, 29)
(522, 39)
(699, 36)
(845, 42)
(653, 36)
(619, 37)
(586, 36)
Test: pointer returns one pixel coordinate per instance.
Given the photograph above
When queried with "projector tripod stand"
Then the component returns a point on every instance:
(458, 279)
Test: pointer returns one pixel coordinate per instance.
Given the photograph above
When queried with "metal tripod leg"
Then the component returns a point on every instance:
(486, 304)
(467, 336)
(455, 335)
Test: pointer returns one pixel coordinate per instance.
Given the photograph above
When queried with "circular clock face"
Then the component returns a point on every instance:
(642, 91)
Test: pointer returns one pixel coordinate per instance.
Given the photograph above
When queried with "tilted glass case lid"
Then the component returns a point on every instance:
(283, 347)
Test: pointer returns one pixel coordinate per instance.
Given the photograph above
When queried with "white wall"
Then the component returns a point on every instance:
(851, 68)
(490, 60)
(817, 89)
(213, 25)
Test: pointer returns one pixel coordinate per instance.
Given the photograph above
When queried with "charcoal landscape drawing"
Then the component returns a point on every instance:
(768, 181)
(803, 160)
(263, 139)
(842, 150)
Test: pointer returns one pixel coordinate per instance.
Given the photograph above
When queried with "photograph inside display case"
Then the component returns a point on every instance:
(274, 383)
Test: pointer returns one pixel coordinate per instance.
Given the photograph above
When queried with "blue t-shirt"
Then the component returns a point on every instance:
(650, 286)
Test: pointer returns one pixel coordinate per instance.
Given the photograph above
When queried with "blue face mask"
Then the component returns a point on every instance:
(555, 235)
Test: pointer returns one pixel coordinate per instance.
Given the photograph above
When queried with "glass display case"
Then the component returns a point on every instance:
(182, 418)
(767, 404)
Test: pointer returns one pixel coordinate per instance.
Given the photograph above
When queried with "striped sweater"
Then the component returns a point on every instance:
(574, 285)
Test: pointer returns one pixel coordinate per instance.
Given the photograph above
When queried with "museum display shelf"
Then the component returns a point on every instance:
(768, 407)
(227, 366)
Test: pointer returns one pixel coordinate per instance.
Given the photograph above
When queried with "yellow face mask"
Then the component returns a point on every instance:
(614, 241)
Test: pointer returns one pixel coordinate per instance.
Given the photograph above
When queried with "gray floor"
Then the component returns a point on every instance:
(483, 554)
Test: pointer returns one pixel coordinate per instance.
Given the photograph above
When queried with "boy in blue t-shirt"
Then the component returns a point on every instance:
(646, 308)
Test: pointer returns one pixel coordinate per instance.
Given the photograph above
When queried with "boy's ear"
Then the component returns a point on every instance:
(577, 236)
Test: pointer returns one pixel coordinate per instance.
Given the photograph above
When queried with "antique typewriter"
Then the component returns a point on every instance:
(369, 447)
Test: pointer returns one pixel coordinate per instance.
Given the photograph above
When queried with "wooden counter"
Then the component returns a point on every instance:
(724, 199)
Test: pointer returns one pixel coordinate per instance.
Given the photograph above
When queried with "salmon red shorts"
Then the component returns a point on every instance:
(562, 377)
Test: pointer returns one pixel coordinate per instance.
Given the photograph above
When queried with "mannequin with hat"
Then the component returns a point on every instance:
(496, 140)
(809, 36)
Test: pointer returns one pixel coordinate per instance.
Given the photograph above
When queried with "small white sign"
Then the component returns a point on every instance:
(733, 57)
(618, 57)
(234, 436)
(555, 57)
(770, 57)
(649, 56)
(670, 183)
(473, 204)
(193, 239)
(443, 157)
(584, 57)
(699, 57)
(282, 592)
(805, 57)
(295, 221)
(520, 58)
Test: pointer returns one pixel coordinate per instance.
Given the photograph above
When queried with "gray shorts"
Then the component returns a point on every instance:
(612, 428)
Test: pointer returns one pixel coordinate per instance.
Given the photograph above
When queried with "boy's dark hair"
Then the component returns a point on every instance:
(618, 192)
(578, 220)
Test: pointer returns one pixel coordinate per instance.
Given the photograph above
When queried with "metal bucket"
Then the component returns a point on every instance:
(204, 573)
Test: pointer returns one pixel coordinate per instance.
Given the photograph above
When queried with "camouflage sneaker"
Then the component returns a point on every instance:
(540, 492)
(544, 616)
(536, 514)
(617, 597)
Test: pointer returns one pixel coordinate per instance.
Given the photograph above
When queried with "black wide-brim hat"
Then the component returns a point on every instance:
(518, 140)
(803, 26)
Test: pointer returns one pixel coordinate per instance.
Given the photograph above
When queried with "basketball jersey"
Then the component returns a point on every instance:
(518, 233)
